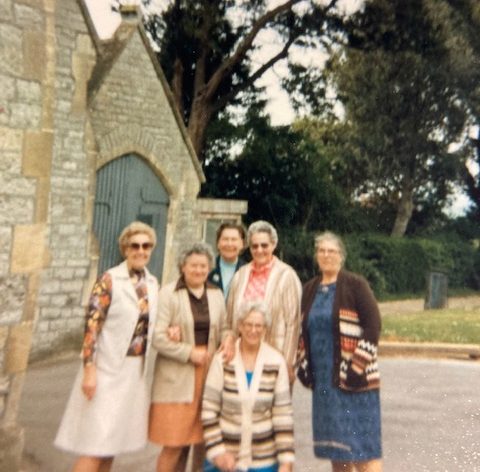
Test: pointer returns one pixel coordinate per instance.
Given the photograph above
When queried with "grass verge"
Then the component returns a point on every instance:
(458, 326)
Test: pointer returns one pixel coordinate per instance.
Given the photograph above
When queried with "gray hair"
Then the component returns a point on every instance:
(332, 237)
(200, 248)
(262, 226)
(247, 307)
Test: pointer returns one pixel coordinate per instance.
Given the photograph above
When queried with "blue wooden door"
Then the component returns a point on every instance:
(128, 190)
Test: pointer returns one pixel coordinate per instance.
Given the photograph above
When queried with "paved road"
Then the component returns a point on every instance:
(431, 418)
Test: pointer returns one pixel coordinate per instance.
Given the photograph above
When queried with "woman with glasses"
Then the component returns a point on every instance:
(246, 409)
(340, 332)
(266, 278)
(197, 308)
(107, 412)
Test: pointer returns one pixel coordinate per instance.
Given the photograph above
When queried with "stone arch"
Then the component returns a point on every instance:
(133, 139)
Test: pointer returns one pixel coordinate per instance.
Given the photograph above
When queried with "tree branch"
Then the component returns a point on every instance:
(244, 47)
(219, 104)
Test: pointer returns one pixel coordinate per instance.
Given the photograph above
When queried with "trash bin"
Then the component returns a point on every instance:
(437, 287)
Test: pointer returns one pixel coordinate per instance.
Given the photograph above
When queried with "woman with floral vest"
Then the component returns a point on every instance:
(107, 413)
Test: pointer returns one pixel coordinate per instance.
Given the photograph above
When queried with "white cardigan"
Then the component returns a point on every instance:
(121, 321)
(254, 423)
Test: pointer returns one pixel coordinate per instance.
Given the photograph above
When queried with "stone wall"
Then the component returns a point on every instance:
(26, 139)
(72, 174)
(68, 105)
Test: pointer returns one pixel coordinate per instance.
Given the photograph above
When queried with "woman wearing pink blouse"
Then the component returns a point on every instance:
(266, 278)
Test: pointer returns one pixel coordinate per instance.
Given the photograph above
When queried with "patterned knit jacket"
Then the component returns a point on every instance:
(356, 331)
(255, 424)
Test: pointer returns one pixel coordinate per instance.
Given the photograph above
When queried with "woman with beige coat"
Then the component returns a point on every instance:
(268, 279)
(197, 308)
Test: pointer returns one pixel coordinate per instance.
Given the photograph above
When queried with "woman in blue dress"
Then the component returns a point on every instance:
(341, 327)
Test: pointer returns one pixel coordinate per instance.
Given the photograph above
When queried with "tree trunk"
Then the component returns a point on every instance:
(471, 180)
(404, 210)
(177, 85)
(200, 116)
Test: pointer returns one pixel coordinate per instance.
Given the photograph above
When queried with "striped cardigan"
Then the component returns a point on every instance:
(255, 424)
(282, 297)
(356, 331)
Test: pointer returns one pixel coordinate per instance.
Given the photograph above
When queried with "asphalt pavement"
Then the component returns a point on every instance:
(430, 418)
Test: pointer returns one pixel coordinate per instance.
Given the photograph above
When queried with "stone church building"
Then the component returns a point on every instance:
(89, 141)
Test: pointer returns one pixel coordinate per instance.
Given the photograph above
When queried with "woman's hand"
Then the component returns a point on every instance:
(225, 462)
(285, 467)
(199, 356)
(227, 348)
(174, 333)
(89, 382)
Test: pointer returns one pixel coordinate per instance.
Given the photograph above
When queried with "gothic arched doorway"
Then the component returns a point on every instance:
(128, 190)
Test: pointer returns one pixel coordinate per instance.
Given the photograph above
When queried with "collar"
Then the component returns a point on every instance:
(139, 273)
(265, 268)
(181, 284)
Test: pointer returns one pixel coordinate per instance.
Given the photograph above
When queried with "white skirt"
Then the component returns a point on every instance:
(115, 420)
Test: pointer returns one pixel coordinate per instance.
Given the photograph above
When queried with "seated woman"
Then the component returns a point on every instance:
(247, 411)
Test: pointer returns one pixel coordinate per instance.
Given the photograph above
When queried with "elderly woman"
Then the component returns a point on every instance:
(107, 412)
(270, 280)
(197, 307)
(340, 330)
(230, 243)
(247, 411)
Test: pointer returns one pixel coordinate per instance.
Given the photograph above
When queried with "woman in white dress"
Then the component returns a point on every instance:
(107, 412)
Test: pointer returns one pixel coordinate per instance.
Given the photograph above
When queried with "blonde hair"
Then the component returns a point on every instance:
(136, 227)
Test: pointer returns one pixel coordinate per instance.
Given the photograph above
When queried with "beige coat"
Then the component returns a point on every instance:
(282, 297)
(174, 373)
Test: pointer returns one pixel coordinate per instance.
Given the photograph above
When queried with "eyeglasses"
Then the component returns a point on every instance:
(256, 246)
(137, 246)
(327, 252)
(251, 326)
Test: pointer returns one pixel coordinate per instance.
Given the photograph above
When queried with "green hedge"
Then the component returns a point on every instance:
(392, 265)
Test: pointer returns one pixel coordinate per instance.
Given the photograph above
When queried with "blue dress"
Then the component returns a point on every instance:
(346, 425)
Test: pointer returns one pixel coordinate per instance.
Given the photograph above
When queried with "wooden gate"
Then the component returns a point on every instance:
(128, 190)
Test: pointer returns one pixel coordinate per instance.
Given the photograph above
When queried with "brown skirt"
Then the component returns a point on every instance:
(179, 424)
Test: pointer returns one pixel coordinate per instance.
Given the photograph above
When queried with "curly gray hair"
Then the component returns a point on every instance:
(334, 238)
(199, 247)
(262, 226)
(247, 307)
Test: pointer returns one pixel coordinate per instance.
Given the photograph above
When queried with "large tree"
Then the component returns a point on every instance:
(288, 176)
(458, 22)
(393, 83)
(209, 49)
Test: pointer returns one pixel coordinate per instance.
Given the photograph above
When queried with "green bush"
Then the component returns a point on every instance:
(393, 266)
